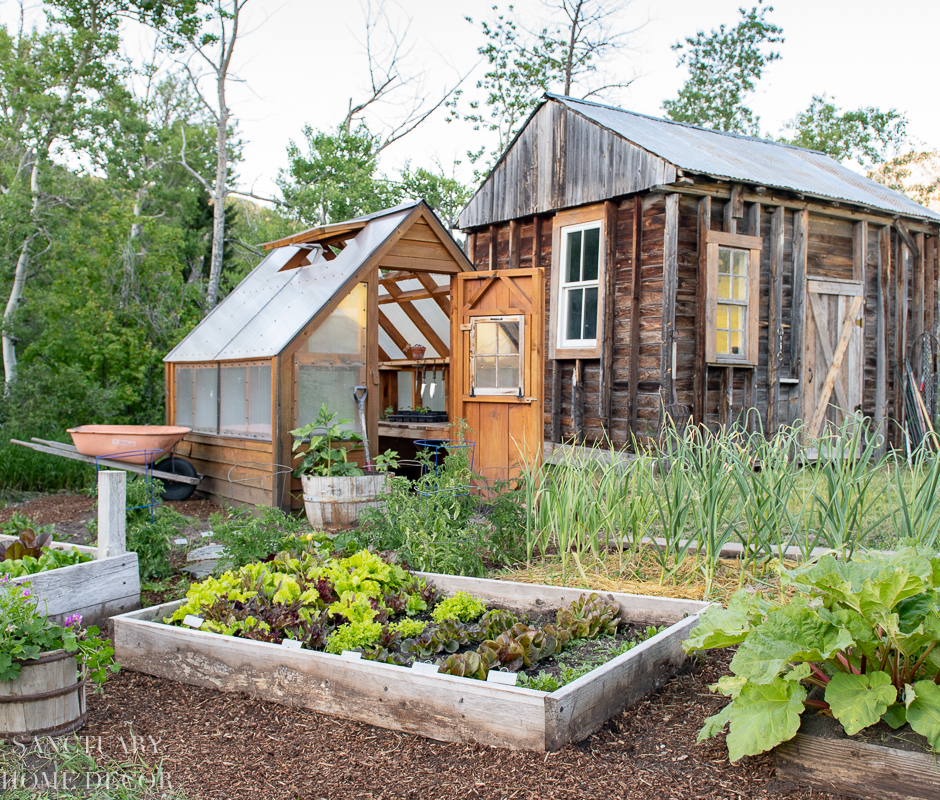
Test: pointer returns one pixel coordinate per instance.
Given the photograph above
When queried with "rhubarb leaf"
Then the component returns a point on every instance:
(858, 701)
(792, 633)
(896, 715)
(714, 725)
(923, 712)
(765, 715)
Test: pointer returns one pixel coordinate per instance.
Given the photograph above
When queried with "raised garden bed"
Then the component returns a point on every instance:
(439, 706)
(97, 589)
(878, 762)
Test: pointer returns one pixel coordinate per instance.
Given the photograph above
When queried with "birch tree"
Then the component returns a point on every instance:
(50, 82)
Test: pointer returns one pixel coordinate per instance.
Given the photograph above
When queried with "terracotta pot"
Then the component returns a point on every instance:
(416, 351)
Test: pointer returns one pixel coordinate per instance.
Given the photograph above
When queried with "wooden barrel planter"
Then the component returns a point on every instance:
(335, 502)
(47, 699)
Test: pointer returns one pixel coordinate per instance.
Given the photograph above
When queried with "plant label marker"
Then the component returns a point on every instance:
(181, 541)
(206, 534)
(292, 644)
(192, 621)
(506, 678)
(352, 655)
(424, 666)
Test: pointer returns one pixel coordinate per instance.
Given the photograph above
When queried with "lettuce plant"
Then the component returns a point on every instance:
(857, 638)
(461, 607)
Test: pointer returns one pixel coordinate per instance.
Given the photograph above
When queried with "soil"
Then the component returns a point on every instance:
(233, 747)
(70, 514)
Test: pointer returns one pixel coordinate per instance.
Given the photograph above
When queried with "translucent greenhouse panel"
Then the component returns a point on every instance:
(259, 401)
(333, 362)
(318, 385)
(406, 380)
(184, 397)
(234, 401)
(206, 400)
(344, 331)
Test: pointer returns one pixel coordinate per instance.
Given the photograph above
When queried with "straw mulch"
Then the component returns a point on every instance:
(638, 576)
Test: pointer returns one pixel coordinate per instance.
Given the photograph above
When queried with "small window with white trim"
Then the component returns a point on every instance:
(579, 288)
(496, 356)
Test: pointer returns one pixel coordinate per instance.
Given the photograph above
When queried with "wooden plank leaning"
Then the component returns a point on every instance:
(834, 368)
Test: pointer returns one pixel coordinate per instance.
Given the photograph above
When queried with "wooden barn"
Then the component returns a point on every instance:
(690, 271)
(328, 309)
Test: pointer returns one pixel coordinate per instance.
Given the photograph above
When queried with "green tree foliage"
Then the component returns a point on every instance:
(724, 67)
(337, 178)
(867, 136)
(566, 55)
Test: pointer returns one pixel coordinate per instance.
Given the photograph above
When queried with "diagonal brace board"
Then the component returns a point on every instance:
(834, 368)
(823, 336)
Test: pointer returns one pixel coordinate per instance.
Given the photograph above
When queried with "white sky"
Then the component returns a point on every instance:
(303, 59)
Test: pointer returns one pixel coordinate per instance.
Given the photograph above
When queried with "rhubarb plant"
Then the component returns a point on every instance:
(855, 638)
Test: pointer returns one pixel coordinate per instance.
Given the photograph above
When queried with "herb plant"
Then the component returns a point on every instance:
(321, 457)
(26, 633)
(857, 638)
(250, 535)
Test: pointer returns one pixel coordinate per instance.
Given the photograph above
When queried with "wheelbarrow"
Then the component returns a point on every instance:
(133, 448)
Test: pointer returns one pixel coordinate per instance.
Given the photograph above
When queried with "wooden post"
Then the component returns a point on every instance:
(112, 502)
(859, 250)
(556, 401)
(775, 332)
(900, 331)
(800, 232)
(917, 296)
(492, 257)
(536, 242)
(750, 377)
(700, 379)
(670, 282)
(577, 402)
(610, 310)
(881, 334)
(635, 313)
(515, 244)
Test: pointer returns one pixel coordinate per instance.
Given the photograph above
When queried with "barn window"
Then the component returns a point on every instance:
(496, 356)
(733, 283)
(577, 278)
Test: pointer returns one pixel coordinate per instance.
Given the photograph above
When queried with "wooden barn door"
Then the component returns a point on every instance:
(497, 361)
(833, 352)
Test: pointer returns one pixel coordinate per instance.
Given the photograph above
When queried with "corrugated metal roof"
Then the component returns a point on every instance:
(743, 158)
(269, 308)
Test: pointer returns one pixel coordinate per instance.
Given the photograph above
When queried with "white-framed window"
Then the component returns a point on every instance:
(578, 302)
(732, 298)
(497, 352)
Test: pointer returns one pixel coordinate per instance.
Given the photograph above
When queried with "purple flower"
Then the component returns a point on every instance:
(73, 621)
(26, 592)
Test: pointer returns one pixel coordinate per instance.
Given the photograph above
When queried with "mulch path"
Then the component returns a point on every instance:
(230, 746)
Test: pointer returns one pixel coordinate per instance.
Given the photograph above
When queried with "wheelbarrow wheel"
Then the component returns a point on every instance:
(177, 466)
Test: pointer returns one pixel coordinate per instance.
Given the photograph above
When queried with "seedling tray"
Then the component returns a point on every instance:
(442, 707)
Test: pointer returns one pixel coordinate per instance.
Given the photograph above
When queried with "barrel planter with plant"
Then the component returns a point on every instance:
(335, 488)
(44, 667)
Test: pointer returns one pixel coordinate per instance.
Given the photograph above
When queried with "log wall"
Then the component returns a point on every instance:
(839, 245)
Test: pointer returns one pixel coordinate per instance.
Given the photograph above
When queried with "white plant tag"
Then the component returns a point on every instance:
(423, 666)
(507, 678)
(292, 644)
(181, 541)
(192, 621)
(206, 534)
(352, 655)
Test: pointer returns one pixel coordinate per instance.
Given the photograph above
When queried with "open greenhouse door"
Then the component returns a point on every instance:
(497, 360)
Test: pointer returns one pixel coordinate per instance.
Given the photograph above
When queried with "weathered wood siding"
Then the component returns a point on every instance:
(910, 308)
(220, 458)
(562, 160)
